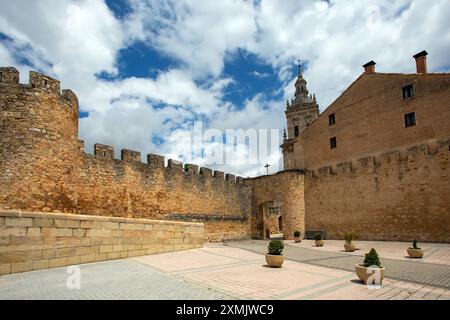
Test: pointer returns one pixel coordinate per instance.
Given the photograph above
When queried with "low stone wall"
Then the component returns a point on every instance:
(34, 240)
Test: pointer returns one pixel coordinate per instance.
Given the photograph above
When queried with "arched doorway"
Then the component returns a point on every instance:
(267, 220)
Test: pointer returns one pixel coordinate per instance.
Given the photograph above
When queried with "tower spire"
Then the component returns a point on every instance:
(299, 69)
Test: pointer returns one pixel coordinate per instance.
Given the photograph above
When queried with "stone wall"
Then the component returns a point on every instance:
(392, 196)
(32, 240)
(286, 188)
(43, 167)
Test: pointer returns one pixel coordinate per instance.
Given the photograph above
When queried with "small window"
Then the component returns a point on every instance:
(104, 153)
(333, 143)
(408, 91)
(296, 132)
(410, 119)
(332, 119)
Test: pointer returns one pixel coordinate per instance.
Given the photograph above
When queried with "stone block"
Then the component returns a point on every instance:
(15, 231)
(33, 232)
(5, 268)
(80, 233)
(81, 251)
(117, 247)
(49, 253)
(111, 225)
(100, 257)
(60, 223)
(113, 255)
(40, 264)
(43, 222)
(73, 260)
(57, 262)
(87, 258)
(21, 266)
(18, 222)
(66, 252)
(99, 233)
(106, 248)
(35, 254)
(62, 232)
(132, 226)
(14, 256)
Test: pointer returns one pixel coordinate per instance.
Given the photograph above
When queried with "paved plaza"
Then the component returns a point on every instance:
(237, 270)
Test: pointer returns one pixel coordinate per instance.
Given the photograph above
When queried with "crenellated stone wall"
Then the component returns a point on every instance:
(43, 167)
(391, 196)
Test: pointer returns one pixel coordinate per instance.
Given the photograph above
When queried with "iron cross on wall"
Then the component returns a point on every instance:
(267, 167)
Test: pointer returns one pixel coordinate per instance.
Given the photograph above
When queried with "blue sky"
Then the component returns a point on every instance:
(145, 70)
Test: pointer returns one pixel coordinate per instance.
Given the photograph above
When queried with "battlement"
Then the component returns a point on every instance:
(388, 160)
(157, 162)
(10, 76)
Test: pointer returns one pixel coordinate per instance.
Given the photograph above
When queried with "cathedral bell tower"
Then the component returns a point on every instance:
(300, 112)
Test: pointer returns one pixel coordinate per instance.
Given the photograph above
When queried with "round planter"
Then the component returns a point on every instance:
(319, 243)
(363, 274)
(298, 240)
(274, 261)
(415, 253)
(349, 247)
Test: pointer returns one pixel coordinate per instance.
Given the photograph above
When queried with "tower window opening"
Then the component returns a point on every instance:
(332, 119)
(333, 143)
(408, 91)
(296, 131)
(410, 119)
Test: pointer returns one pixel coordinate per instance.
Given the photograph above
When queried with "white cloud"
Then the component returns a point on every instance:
(76, 40)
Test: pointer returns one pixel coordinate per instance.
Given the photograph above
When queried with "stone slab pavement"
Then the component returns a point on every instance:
(409, 270)
(436, 253)
(215, 271)
(243, 274)
(124, 279)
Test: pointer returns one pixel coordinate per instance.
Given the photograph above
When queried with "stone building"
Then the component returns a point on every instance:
(375, 162)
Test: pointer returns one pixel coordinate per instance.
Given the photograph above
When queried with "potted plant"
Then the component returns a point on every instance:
(297, 235)
(348, 245)
(318, 239)
(371, 264)
(274, 257)
(415, 252)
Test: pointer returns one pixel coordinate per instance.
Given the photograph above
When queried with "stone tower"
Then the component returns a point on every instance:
(300, 112)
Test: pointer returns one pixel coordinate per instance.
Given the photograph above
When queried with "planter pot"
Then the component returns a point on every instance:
(274, 261)
(298, 240)
(319, 243)
(363, 273)
(415, 253)
(349, 247)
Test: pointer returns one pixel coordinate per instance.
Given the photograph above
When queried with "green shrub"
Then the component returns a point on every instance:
(372, 259)
(318, 236)
(415, 245)
(297, 234)
(349, 236)
(276, 247)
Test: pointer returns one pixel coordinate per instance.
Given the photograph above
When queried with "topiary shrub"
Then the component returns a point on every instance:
(318, 236)
(415, 245)
(349, 236)
(297, 234)
(371, 259)
(275, 247)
